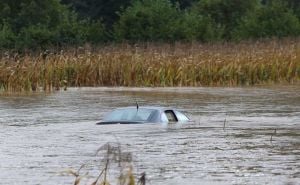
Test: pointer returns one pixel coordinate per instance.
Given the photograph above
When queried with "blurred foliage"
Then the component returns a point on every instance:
(149, 20)
(104, 10)
(274, 19)
(35, 24)
(225, 13)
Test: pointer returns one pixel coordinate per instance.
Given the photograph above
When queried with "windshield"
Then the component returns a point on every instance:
(130, 114)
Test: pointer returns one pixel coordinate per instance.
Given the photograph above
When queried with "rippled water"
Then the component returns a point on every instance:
(42, 135)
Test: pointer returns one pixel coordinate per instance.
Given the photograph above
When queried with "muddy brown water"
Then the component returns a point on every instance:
(43, 135)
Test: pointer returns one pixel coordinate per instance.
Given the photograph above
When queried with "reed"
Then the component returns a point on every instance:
(112, 156)
(150, 64)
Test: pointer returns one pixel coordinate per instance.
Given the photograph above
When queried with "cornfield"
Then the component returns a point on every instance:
(149, 64)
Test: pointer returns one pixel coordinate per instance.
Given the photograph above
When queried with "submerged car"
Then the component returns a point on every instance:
(139, 115)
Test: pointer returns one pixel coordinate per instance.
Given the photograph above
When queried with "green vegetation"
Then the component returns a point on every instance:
(30, 29)
(34, 24)
(273, 20)
(228, 64)
(150, 20)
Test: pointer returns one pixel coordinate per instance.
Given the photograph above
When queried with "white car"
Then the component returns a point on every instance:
(139, 115)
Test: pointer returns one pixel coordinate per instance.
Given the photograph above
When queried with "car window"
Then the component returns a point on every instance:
(164, 118)
(181, 116)
(170, 116)
(130, 114)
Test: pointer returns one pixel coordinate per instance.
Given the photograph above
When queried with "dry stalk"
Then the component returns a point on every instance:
(183, 64)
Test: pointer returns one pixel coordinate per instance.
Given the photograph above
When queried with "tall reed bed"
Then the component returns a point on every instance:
(145, 64)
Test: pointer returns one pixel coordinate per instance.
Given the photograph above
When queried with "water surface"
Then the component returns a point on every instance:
(41, 135)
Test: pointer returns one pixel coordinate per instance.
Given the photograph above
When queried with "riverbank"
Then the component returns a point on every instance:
(140, 65)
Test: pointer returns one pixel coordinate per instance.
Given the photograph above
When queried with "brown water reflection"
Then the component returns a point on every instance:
(43, 134)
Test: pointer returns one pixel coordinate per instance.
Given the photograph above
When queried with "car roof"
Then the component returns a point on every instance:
(149, 107)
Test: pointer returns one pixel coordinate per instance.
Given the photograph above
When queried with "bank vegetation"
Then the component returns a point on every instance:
(153, 65)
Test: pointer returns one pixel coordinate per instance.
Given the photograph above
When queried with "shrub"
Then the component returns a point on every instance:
(194, 26)
(37, 24)
(271, 20)
(95, 32)
(225, 13)
(148, 20)
(7, 37)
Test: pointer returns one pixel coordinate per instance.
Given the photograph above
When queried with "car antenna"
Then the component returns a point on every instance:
(137, 105)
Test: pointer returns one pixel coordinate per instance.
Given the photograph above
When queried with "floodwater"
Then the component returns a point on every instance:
(44, 135)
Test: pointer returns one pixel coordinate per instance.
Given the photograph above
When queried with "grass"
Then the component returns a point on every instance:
(111, 155)
(179, 64)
